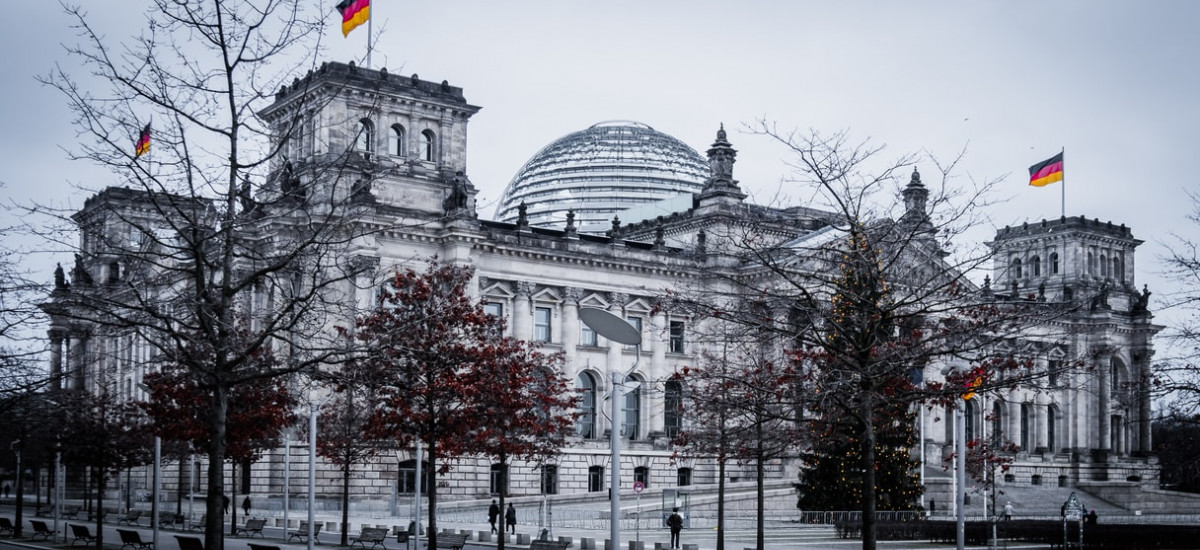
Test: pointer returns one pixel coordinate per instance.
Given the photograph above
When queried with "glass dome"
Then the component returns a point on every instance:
(599, 172)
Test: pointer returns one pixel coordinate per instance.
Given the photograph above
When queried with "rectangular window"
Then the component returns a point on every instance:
(495, 309)
(1054, 368)
(541, 324)
(596, 479)
(677, 345)
(684, 477)
(549, 479)
(636, 323)
(587, 336)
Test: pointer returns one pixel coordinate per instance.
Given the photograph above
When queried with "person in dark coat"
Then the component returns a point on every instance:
(246, 505)
(225, 502)
(493, 514)
(675, 523)
(510, 519)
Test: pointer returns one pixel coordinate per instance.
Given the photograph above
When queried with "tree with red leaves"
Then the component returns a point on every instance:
(428, 349)
(103, 435)
(741, 405)
(344, 437)
(524, 408)
(257, 409)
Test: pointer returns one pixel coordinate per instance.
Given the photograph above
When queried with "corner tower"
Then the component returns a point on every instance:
(345, 129)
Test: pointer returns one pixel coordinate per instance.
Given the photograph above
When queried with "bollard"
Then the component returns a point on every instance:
(637, 545)
(661, 545)
(485, 536)
(522, 539)
(586, 543)
(691, 547)
(570, 542)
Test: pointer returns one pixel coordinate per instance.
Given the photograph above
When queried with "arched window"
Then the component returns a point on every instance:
(997, 422)
(673, 408)
(969, 419)
(1054, 263)
(1114, 377)
(397, 145)
(1016, 268)
(585, 425)
(1118, 270)
(632, 411)
(364, 141)
(1035, 265)
(1103, 266)
(1026, 427)
(1051, 421)
(428, 139)
(1091, 265)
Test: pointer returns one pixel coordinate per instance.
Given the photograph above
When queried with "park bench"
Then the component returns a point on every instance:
(81, 533)
(251, 528)
(302, 532)
(199, 525)
(46, 511)
(549, 545)
(189, 543)
(40, 529)
(130, 518)
(373, 535)
(451, 541)
(70, 511)
(263, 547)
(129, 537)
(7, 525)
(170, 520)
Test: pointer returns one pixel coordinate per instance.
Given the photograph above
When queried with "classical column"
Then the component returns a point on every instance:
(659, 341)
(522, 319)
(570, 325)
(1142, 368)
(56, 358)
(1104, 441)
(615, 359)
(1040, 428)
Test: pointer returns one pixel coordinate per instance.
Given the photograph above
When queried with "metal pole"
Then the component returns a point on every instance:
(960, 470)
(191, 486)
(287, 475)
(154, 493)
(417, 502)
(58, 493)
(614, 483)
(312, 468)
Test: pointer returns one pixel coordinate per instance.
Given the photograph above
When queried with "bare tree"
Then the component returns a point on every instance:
(213, 224)
(861, 295)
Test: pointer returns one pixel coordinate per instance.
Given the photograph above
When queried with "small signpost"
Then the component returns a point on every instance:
(638, 487)
(1072, 511)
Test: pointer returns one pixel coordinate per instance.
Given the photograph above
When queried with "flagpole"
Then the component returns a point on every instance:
(369, 35)
(1063, 152)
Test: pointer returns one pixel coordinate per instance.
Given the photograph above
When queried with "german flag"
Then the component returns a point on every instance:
(143, 143)
(354, 13)
(1046, 172)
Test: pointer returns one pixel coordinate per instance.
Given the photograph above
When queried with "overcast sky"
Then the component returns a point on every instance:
(1114, 83)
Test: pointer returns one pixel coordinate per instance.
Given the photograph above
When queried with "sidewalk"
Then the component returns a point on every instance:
(776, 538)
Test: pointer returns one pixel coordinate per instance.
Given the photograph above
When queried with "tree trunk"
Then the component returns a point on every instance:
(345, 502)
(503, 519)
(868, 465)
(233, 501)
(100, 486)
(759, 471)
(214, 538)
(432, 474)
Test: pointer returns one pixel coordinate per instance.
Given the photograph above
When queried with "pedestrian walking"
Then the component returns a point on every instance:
(675, 523)
(225, 503)
(510, 519)
(246, 505)
(493, 515)
(932, 507)
(1008, 511)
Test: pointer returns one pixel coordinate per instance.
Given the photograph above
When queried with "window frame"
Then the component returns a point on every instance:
(543, 331)
(428, 145)
(399, 139)
(677, 342)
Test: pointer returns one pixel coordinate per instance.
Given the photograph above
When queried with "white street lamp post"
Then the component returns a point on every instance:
(312, 468)
(960, 460)
(617, 330)
(154, 493)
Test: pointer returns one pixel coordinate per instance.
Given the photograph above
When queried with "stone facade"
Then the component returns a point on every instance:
(409, 137)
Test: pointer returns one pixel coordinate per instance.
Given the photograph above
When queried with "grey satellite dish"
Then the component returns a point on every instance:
(610, 326)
